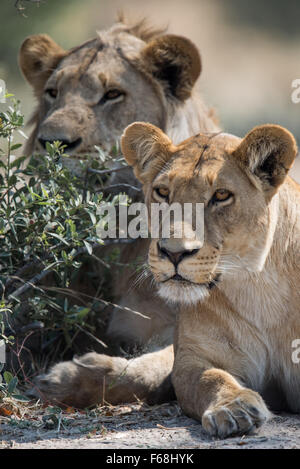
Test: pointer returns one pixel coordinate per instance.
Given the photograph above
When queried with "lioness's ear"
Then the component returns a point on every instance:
(175, 61)
(38, 57)
(268, 151)
(146, 148)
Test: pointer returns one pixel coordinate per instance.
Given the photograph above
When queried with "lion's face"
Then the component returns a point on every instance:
(235, 179)
(88, 95)
(92, 96)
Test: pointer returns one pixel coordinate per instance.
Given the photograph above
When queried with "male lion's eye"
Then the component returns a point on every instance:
(113, 94)
(162, 192)
(51, 92)
(221, 195)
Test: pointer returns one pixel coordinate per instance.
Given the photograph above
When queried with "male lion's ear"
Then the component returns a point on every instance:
(268, 151)
(146, 148)
(38, 57)
(175, 61)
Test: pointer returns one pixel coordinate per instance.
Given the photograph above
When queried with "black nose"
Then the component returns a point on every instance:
(69, 145)
(175, 257)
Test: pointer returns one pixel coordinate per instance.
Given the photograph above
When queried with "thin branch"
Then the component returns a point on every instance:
(35, 263)
(107, 171)
(106, 303)
(28, 284)
(92, 336)
(22, 271)
(40, 276)
(119, 186)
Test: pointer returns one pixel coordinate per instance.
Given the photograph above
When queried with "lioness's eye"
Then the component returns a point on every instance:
(51, 92)
(221, 195)
(113, 94)
(162, 192)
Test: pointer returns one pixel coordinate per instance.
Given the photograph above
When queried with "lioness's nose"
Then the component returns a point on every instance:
(175, 256)
(69, 145)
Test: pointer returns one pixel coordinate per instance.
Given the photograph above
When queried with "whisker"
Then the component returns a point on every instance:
(141, 277)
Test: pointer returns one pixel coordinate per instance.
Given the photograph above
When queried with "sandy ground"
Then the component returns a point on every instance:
(135, 427)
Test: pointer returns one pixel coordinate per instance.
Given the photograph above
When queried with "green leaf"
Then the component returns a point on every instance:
(7, 377)
(66, 304)
(12, 180)
(58, 237)
(12, 385)
(82, 312)
(49, 148)
(64, 255)
(16, 146)
(45, 193)
(89, 248)
(20, 397)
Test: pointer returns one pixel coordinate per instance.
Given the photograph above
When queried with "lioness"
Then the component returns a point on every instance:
(239, 292)
(88, 95)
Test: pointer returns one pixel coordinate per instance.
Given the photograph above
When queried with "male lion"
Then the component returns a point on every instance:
(88, 95)
(239, 291)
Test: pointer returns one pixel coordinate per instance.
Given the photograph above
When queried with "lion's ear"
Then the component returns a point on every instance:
(268, 151)
(175, 62)
(146, 148)
(38, 57)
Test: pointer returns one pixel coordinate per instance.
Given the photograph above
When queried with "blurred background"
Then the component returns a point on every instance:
(250, 50)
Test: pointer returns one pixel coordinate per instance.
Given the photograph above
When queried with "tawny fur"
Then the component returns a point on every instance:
(233, 345)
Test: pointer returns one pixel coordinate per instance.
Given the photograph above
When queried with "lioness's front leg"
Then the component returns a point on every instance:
(218, 400)
(96, 379)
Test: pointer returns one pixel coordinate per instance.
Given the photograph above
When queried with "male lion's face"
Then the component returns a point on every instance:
(235, 179)
(91, 97)
(88, 95)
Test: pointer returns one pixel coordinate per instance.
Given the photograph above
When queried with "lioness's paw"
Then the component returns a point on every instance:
(78, 383)
(243, 414)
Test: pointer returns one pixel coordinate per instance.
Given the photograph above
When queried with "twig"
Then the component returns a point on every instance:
(18, 355)
(107, 171)
(67, 291)
(31, 283)
(85, 186)
(31, 264)
(70, 292)
(120, 186)
(106, 242)
(92, 336)
(101, 261)
(22, 271)
(171, 428)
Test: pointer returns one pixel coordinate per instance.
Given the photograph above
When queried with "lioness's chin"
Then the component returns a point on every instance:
(188, 294)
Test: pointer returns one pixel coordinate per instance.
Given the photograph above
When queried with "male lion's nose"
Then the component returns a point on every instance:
(175, 256)
(69, 145)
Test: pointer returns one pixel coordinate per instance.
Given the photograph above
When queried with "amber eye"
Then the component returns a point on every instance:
(52, 92)
(113, 94)
(221, 195)
(162, 192)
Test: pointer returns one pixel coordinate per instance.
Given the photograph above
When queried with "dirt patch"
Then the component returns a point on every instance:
(132, 427)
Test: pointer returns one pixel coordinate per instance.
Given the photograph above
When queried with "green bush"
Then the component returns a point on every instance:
(48, 223)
